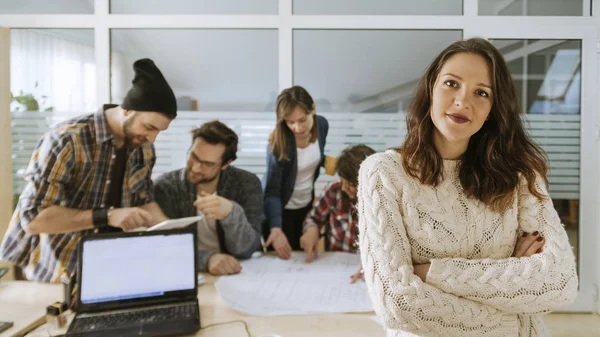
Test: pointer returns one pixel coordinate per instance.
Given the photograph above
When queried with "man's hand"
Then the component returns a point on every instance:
(529, 244)
(155, 211)
(309, 242)
(213, 207)
(280, 243)
(129, 218)
(223, 264)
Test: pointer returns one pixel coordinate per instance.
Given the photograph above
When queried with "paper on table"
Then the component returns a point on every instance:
(269, 286)
(175, 223)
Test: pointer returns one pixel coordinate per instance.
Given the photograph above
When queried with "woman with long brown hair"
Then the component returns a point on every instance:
(294, 156)
(458, 235)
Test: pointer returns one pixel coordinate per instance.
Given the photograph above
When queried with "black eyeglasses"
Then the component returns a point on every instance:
(202, 163)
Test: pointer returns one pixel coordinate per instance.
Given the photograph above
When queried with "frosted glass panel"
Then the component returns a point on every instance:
(535, 7)
(378, 7)
(46, 7)
(193, 7)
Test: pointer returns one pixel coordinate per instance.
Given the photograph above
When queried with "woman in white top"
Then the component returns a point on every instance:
(295, 155)
(458, 235)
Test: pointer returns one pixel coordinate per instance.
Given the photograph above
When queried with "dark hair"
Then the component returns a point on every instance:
(215, 132)
(287, 101)
(349, 162)
(496, 156)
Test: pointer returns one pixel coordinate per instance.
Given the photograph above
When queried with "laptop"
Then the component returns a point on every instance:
(137, 284)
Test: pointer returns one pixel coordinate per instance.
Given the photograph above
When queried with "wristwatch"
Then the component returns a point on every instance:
(100, 217)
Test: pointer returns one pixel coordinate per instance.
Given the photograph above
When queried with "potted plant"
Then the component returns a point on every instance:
(28, 102)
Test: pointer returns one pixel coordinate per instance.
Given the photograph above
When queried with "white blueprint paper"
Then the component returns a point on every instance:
(269, 286)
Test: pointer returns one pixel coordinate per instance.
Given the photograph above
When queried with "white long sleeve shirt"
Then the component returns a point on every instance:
(474, 287)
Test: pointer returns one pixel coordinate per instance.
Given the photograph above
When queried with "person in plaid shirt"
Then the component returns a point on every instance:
(334, 213)
(91, 173)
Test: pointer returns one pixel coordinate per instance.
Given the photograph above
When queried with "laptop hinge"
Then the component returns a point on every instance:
(143, 304)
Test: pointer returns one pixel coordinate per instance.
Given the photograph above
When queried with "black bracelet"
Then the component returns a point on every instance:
(100, 217)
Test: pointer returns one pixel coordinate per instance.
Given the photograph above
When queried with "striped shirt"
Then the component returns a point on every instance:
(71, 167)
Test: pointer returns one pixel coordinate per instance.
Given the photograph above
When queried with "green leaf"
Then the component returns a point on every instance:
(30, 103)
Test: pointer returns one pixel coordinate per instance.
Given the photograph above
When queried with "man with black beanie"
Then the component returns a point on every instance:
(91, 173)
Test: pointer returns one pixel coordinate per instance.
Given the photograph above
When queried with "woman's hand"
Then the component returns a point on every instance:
(421, 270)
(529, 244)
(359, 275)
(280, 243)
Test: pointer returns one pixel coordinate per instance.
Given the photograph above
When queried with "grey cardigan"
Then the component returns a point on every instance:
(239, 233)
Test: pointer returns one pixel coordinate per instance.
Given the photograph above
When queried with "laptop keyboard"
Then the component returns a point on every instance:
(130, 318)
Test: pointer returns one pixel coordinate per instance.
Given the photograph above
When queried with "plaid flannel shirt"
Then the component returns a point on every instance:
(342, 230)
(71, 167)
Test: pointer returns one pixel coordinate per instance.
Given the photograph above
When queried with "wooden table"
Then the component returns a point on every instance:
(22, 302)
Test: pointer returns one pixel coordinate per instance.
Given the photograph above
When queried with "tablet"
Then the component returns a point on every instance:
(175, 223)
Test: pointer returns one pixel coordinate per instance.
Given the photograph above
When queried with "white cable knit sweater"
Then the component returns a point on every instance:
(473, 288)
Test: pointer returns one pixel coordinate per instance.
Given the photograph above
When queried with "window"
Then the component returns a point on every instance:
(378, 7)
(365, 70)
(193, 7)
(47, 7)
(535, 7)
(53, 78)
(548, 78)
(221, 70)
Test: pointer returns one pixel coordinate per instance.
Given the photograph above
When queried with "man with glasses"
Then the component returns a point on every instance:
(229, 198)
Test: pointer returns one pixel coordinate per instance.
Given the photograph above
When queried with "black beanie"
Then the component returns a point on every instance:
(150, 91)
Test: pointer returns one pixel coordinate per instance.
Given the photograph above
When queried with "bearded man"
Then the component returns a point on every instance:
(230, 199)
(90, 174)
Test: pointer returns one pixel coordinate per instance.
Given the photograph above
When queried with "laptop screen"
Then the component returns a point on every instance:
(136, 267)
